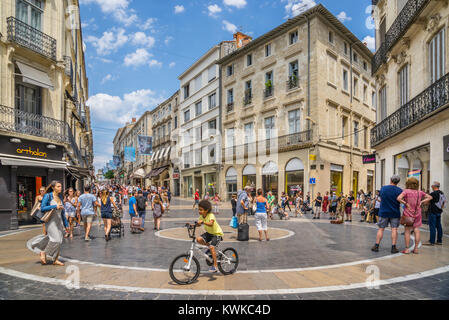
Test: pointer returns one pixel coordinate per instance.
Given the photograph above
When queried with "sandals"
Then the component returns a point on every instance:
(406, 251)
(415, 251)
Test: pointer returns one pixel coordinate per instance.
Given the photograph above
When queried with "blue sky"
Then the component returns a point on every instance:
(136, 49)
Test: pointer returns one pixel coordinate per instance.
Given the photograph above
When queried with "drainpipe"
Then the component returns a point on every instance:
(220, 121)
(349, 124)
(308, 71)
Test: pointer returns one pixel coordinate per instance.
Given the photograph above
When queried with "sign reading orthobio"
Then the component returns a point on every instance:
(30, 149)
(369, 159)
(446, 148)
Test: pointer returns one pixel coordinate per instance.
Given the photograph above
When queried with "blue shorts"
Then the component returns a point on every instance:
(384, 222)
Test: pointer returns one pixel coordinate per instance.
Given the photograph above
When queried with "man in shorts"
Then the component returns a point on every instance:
(213, 235)
(389, 213)
(86, 203)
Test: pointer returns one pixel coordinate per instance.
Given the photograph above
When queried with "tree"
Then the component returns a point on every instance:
(109, 175)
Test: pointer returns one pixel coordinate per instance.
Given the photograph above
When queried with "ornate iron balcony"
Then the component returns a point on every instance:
(427, 102)
(248, 97)
(31, 38)
(17, 121)
(268, 92)
(230, 106)
(404, 20)
(292, 83)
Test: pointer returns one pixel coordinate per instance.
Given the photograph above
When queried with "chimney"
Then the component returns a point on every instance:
(134, 120)
(241, 39)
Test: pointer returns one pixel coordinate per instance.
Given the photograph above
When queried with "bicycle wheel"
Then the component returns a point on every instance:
(228, 261)
(179, 274)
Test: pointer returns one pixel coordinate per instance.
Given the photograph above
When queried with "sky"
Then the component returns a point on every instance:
(136, 49)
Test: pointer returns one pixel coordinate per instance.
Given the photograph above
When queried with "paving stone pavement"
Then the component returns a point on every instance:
(314, 244)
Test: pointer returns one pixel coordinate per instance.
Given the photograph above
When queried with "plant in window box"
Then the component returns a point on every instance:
(293, 81)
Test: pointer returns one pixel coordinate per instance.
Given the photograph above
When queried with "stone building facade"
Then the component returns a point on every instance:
(411, 66)
(297, 104)
(45, 128)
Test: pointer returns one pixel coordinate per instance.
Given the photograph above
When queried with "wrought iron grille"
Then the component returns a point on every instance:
(31, 38)
(248, 98)
(15, 120)
(404, 20)
(430, 100)
(230, 106)
(295, 139)
(292, 83)
(268, 92)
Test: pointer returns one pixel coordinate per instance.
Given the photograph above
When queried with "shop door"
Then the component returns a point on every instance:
(336, 182)
(355, 182)
(198, 184)
(270, 183)
(27, 188)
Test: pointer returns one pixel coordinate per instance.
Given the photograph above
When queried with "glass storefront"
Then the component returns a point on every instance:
(414, 163)
(27, 190)
(211, 183)
(370, 182)
(336, 179)
(294, 177)
(270, 178)
(188, 187)
(249, 178)
(231, 183)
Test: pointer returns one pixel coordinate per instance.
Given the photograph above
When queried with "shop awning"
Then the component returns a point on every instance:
(156, 155)
(34, 76)
(156, 172)
(167, 153)
(78, 172)
(139, 174)
(161, 154)
(21, 162)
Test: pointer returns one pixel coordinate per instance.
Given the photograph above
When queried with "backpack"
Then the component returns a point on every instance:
(442, 202)
(141, 204)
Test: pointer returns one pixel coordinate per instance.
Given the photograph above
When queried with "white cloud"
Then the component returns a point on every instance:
(172, 64)
(370, 42)
(168, 40)
(342, 16)
(296, 7)
(155, 63)
(118, 8)
(141, 39)
(110, 42)
(179, 9)
(149, 25)
(213, 10)
(229, 26)
(138, 58)
(107, 78)
(235, 3)
(118, 110)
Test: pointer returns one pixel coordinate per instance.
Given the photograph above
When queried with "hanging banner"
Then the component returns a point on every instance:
(145, 145)
(130, 154)
(116, 161)
(111, 165)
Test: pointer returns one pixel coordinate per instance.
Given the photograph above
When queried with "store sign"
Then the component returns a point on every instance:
(312, 181)
(446, 148)
(369, 159)
(30, 149)
(175, 175)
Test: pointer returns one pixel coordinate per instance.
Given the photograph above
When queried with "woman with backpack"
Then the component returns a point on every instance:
(158, 210)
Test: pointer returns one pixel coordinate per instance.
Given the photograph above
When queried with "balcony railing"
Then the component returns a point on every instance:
(31, 38)
(285, 143)
(268, 92)
(292, 83)
(68, 66)
(248, 98)
(427, 102)
(404, 20)
(76, 151)
(230, 107)
(18, 121)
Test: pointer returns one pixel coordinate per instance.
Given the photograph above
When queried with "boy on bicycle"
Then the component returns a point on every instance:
(213, 234)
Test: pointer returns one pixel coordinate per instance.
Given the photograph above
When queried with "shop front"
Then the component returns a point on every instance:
(25, 167)
(270, 178)
(210, 183)
(336, 179)
(370, 182)
(294, 177)
(187, 187)
(249, 178)
(414, 164)
(231, 183)
(355, 182)
(176, 184)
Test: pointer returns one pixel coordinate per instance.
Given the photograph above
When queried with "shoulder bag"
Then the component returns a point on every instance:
(410, 221)
(47, 215)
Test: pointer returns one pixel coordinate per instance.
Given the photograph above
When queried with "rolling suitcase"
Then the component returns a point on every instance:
(136, 224)
(243, 230)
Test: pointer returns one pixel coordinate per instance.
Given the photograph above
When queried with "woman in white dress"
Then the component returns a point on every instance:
(50, 245)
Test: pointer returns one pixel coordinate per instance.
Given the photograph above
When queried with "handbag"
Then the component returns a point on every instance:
(47, 215)
(410, 221)
(234, 223)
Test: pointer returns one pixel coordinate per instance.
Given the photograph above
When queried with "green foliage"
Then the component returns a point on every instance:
(109, 175)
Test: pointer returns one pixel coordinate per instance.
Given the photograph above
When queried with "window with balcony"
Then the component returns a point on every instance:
(437, 51)
(30, 12)
(269, 79)
(248, 93)
(293, 74)
(198, 109)
(403, 85)
(293, 37)
(268, 50)
(383, 103)
(230, 100)
(293, 122)
(29, 99)
(212, 101)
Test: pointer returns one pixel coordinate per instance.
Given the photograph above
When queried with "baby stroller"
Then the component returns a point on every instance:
(305, 208)
(117, 226)
(279, 211)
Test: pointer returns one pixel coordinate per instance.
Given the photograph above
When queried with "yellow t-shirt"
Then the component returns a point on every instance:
(215, 229)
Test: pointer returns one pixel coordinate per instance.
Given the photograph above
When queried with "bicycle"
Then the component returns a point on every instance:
(189, 266)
